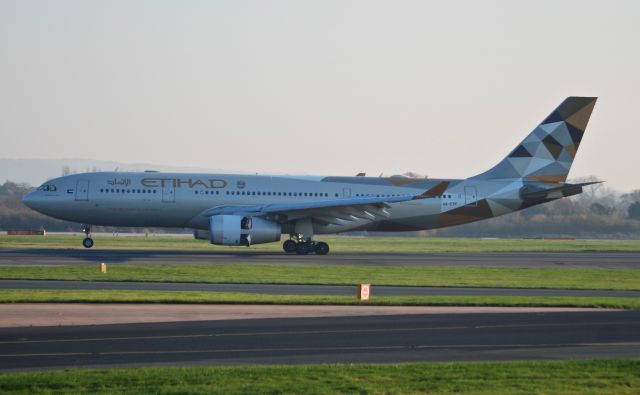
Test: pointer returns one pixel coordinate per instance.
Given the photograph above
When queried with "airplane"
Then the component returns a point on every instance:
(242, 210)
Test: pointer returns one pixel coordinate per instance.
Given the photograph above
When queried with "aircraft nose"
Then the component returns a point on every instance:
(31, 200)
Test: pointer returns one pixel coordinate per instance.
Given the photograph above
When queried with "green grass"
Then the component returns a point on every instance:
(337, 243)
(614, 279)
(204, 297)
(547, 377)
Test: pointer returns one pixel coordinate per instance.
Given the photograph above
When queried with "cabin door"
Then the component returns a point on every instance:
(470, 196)
(168, 192)
(82, 190)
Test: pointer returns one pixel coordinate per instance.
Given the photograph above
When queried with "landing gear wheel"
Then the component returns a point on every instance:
(289, 246)
(321, 248)
(87, 242)
(303, 248)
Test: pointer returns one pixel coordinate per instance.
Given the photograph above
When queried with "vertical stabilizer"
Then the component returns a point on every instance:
(547, 153)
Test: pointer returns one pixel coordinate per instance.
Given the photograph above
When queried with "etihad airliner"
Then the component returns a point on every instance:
(231, 209)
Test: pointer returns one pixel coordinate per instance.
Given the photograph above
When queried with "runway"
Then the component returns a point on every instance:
(46, 257)
(366, 339)
(284, 289)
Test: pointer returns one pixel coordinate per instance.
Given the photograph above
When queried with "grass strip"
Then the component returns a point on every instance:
(558, 278)
(338, 244)
(550, 377)
(205, 297)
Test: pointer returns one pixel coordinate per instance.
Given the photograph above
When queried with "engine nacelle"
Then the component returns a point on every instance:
(237, 230)
(201, 234)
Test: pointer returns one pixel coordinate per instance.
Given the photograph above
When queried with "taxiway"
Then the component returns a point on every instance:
(291, 289)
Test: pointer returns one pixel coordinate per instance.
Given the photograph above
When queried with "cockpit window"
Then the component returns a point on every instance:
(47, 188)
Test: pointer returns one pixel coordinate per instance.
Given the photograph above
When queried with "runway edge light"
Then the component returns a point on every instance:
(364, 291)
(103, 267)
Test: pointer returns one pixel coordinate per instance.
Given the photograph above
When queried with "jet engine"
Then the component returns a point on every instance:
(236, 230)
(201, 234)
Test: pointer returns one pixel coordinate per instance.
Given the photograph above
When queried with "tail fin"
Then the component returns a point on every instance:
(547, 153)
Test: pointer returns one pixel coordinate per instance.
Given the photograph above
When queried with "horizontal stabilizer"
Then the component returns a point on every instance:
(533, 192)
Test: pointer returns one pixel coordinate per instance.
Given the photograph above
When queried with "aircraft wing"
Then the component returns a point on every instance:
(334, 211)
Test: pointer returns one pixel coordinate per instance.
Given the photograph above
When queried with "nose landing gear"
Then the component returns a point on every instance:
(87, 242)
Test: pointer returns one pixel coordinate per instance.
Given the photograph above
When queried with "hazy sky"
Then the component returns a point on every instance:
(445, 89)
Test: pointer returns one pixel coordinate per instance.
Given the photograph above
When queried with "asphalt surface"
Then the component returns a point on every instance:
(280, 289)
(39, 257)
(374, 339)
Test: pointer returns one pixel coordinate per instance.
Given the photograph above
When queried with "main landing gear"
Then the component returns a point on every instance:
(301, 246)
(87, 242)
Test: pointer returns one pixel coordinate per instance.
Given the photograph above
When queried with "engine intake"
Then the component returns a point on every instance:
(236, 230)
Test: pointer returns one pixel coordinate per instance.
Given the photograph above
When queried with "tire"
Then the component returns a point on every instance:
(302, 248)
(87, 242)
(321, 248)
(289, 246)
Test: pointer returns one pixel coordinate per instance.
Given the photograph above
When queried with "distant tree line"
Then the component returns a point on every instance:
(597, 213)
